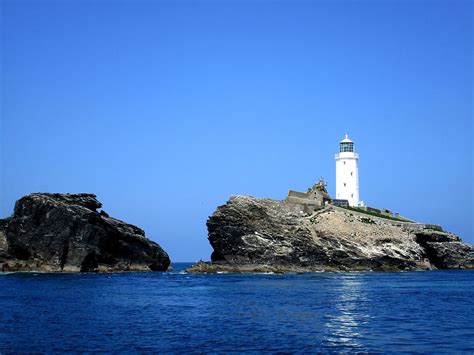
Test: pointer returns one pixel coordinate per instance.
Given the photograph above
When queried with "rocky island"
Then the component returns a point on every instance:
(263, 235)
(310, 231)
(66, 233)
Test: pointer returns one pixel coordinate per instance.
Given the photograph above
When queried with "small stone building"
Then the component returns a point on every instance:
(314, 199)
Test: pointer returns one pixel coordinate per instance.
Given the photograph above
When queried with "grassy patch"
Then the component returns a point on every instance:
(372, 213)
(434, 227)
(367, 220)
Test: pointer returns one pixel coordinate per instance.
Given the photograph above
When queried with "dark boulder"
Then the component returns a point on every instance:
(446, 251)
(65, 232)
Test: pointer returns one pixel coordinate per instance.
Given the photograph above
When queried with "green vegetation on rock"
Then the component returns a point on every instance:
(375, 214)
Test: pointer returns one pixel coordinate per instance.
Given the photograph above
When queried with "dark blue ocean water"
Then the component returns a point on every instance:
(177, 312)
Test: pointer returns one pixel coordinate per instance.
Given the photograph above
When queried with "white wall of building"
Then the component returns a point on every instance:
(347, 177)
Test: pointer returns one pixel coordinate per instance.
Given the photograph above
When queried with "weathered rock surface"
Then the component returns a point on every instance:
(250, 234)
(65, 232)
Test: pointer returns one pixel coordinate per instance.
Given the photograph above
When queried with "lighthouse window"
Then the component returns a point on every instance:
(351, 173)
(344, 184)
(346, 147)
(344, 163)
(352, 195)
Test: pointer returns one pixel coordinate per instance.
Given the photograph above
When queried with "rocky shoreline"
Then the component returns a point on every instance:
(264, 235)
(66, 233)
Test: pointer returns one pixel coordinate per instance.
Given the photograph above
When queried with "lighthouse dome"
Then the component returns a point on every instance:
(346, 145)
(346, 139)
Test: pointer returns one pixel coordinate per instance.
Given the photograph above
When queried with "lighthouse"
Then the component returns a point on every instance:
(347, 172)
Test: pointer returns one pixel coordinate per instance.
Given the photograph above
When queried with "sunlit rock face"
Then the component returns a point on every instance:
(250, 234)
(65, 232)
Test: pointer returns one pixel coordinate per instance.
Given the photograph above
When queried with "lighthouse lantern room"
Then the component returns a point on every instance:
(347, 172)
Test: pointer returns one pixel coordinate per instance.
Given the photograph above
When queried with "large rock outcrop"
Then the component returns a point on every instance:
(250, 234)
(65, 232)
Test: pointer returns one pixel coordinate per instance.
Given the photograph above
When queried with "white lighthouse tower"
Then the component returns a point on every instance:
(347, 172)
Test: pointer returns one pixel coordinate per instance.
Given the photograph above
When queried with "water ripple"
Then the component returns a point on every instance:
(170, 312)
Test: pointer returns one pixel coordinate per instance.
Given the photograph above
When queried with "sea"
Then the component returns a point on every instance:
(177, 312)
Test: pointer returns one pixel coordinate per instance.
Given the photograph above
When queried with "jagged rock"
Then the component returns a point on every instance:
(250, 234)
(64, 232)
(446, 251)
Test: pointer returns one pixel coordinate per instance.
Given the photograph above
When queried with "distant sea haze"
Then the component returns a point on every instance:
(411, 312)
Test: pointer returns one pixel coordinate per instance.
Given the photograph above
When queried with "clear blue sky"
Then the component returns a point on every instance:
(166, 108)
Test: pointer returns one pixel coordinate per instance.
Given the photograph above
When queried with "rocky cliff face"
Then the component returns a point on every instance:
(249, 234)
(64, 232)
